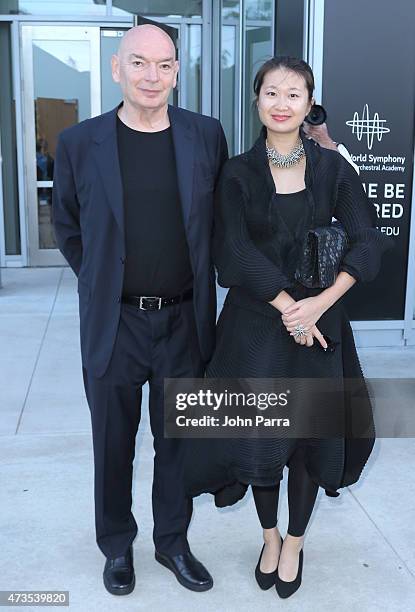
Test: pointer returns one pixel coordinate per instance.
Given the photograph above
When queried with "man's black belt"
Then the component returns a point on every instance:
(151, 302)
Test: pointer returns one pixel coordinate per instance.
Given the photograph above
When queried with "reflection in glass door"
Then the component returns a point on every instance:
(61, 87)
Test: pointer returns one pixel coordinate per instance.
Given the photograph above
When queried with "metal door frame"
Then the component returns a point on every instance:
(37, 256)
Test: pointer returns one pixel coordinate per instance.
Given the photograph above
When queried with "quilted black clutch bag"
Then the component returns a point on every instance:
(323, 251)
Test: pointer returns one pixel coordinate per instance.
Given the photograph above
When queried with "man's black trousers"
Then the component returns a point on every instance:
(150, 346)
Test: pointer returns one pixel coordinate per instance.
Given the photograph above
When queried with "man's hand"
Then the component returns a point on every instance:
(320, 134)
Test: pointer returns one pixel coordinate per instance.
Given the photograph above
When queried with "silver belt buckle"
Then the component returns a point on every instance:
(149, 297)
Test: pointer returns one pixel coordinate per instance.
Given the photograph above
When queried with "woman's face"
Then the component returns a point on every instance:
(283, 101)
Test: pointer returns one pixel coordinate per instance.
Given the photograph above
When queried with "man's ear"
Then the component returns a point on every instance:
(115, 68)
(176, 70)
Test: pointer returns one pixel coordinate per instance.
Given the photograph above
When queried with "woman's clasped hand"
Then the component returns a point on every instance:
(304, 314)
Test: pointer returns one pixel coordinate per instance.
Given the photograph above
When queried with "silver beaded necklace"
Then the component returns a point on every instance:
(285, 161)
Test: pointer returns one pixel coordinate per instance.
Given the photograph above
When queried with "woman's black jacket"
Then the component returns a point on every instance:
(253, 248)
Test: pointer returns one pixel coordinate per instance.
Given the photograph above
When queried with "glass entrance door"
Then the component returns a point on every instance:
(61, 84)
(246, 39)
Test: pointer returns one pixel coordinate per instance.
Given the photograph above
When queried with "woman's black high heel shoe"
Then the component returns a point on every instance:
(285, 589)
(265, 580)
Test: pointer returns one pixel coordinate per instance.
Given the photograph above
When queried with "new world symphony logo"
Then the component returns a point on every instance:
(371, 128)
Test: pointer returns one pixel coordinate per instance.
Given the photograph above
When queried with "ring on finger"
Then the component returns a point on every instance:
(300, 331)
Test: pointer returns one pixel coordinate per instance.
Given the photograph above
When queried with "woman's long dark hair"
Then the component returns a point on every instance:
(294, 64)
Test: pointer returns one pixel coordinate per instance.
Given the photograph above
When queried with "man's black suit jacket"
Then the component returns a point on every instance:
(89, 224)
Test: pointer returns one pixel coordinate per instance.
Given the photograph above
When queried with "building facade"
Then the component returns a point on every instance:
(56, 72)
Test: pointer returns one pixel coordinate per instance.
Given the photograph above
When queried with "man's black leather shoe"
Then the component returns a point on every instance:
(119, 577)
(188, 571)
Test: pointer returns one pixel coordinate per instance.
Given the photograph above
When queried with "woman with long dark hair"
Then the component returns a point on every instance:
(274, 326)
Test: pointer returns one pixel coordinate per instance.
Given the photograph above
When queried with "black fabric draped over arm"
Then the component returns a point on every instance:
(358, 217)
(238, 261)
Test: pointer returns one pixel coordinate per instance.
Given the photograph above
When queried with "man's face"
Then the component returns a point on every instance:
(145, 68)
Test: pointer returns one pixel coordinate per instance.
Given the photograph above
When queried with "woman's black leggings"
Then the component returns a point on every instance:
(302, 493)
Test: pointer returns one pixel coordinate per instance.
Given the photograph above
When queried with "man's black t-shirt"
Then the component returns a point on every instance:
(157, 254)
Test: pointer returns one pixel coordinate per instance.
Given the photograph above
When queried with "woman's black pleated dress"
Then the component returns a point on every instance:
(257, 244)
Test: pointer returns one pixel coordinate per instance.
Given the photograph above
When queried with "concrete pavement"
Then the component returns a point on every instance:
(359, 548)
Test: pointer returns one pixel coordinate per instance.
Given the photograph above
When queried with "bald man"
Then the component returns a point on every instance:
(132, 210)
